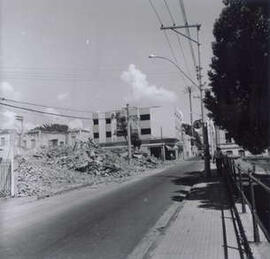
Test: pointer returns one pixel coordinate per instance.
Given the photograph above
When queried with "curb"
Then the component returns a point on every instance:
(153, 237)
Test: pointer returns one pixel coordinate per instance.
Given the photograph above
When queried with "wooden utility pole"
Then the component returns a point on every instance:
(200, 85)
(128, 134)
(191, 118)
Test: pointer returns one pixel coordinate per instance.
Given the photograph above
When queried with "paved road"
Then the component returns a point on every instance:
(88, 223)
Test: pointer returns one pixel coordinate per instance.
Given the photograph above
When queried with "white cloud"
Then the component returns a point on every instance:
(75, 124)
(54, 118)
(8, 120)
(62, 96)
(142, 90)
(8, 91)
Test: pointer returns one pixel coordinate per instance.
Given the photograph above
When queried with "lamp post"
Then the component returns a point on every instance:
(204, 129)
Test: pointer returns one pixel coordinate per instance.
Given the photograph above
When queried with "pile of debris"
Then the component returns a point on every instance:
(52, 169)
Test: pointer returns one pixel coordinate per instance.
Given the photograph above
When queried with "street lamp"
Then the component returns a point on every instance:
(205, 137)
(179, 68)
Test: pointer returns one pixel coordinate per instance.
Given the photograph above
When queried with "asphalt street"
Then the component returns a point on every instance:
(89, 223)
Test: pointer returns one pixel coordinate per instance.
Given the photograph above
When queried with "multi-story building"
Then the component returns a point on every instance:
(149, 123)
(157, 128)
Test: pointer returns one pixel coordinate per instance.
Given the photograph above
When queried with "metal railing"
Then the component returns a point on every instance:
(240, 179)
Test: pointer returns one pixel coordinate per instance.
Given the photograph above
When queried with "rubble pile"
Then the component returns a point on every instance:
(51, 170)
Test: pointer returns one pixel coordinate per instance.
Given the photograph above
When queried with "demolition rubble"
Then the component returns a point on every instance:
(53, 170)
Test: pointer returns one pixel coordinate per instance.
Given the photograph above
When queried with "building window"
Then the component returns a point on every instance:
(108, 134)
(3, 141)
(145, 117)
(24, 144)
(95, 121)
(145, 131)
(61, 143)
(96, 135)
(228, 138)
(108, 121)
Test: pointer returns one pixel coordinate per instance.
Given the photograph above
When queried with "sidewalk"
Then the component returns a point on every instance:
(203, 228)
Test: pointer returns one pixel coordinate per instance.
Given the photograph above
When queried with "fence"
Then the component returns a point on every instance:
(245, 179)
(5, 178)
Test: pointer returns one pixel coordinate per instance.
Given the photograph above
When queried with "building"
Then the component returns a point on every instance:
(8, 138)
(228, 145)
(42, 138)
(160, 129)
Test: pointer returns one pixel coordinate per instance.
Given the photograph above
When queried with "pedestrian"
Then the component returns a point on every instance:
(218, 158)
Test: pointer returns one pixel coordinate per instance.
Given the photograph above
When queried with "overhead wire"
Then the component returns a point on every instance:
(165, 35)
(43, 112)
(182, 7)
(43, 106)
(178, 38)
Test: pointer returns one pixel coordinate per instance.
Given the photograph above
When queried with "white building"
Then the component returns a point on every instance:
(150, 123)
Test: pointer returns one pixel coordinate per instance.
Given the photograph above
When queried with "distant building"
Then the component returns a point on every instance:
(160, 129)
(149, 123)
(8, 137)
(228, 145)
(38, 138)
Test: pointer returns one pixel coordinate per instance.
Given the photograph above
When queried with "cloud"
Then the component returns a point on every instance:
(8, 91)
(75, 124)
(62, 96)
(54, 118)
(8, 120)
(142, 90)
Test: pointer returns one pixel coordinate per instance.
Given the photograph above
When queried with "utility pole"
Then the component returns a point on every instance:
(199, 78)
(204, 126)
(20, 118)
(128, 134)
(191, 118)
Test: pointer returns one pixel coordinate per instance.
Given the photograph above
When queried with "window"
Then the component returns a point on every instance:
(228, 138)
(2, 141)
(145, 117)
(145, 131)
(24, 144)
(95, 121)
(61, 143)
(96, 135)
(108, 134)
(108, 121)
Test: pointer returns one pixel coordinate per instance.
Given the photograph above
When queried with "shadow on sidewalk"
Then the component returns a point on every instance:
(210, 192)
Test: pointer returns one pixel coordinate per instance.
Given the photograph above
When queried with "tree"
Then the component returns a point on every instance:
(239, 76)
(121, 122)
(188, 131)
(53, 127)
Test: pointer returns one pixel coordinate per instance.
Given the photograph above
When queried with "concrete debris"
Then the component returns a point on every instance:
(51, 170)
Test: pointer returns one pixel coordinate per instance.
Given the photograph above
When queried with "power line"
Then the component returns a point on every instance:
(156, 12)
(43, 106)
(182, 7)
(169, 11)
(165, 34)
(42, 112)
(178, 38)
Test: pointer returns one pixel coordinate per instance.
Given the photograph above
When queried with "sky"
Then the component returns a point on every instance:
(93, 55)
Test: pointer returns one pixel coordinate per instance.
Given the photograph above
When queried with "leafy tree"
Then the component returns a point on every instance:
(197, 140)
(53, 127)
(121, 130)
(239, 76)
